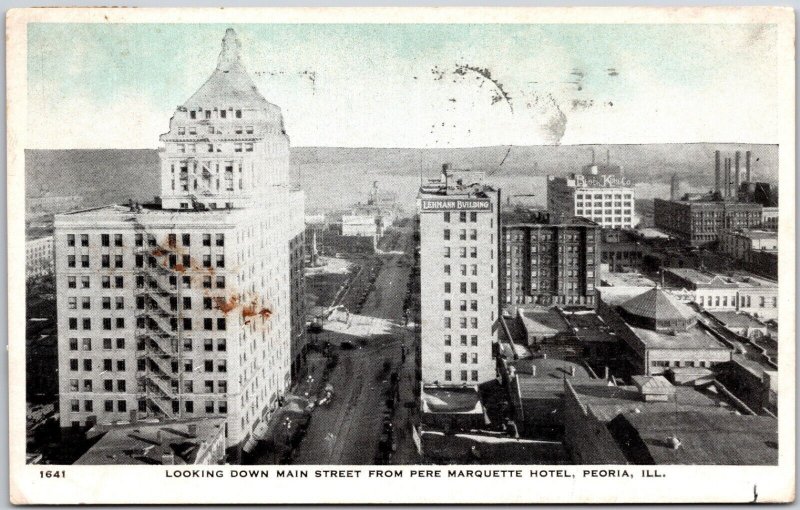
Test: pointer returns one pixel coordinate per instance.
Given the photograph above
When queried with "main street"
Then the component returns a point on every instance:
(348, 430)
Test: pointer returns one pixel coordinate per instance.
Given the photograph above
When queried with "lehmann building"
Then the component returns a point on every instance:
(459, 235)
(181, 308)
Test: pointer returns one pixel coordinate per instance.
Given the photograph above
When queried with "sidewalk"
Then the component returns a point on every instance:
(406, 417)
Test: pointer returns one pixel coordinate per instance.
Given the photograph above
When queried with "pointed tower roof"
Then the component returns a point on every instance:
(655, 304)
(229, 84)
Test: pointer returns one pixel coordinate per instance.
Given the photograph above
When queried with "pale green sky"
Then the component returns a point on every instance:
(116, 85)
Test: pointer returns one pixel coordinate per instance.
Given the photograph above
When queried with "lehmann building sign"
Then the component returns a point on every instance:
(456, 205)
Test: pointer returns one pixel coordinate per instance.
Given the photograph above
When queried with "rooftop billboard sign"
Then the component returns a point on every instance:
(601, 181)
(469, 204)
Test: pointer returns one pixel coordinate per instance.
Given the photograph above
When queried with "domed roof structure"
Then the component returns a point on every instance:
(229, 84)
(658, 310)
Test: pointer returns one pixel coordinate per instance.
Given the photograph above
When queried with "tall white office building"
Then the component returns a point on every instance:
(182, 308)
(459, 235)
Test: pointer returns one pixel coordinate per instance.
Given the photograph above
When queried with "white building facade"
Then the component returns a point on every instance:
(459, 237)
(39, 256)
(607, 200)
(181, 308)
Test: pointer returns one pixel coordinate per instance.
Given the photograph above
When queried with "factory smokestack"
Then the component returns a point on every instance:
(717, 175)
(673, 188)
(736, 185)
(747, 166)
(727, 173)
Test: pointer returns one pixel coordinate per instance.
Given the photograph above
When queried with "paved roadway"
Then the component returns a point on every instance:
(348, 430)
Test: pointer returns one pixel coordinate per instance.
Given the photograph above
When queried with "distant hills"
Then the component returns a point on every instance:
(335, 178)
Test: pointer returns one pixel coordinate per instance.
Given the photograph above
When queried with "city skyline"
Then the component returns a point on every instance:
(410, 246)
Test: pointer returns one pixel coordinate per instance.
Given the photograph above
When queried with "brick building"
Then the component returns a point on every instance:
(547, 263)
(700, 222)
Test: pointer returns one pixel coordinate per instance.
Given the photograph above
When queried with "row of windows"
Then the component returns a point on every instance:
(617, 196)
(588, 212)
(105, 239)
(462, 234)
(448, 375)
(86, 323)
(462, 252)
(222, 113)
(462, 217)
(172, 239)
(473, 340)
(86, 303)
(188, 345)
(108, 365)
(192, 130)
(473, 269)
(547, 237)
(681, 364)
(574, 249)
(87, 386)
(210, 147)
(744, 301)
(473, 305)
(215, 130)
(473, 287)
(462, 322)
(208, 323)
(473, 358)
(172, 259)
(208, 302)
(570, 273)
(209, 366)
(85, 344)
(208, 282)
(598, 203)
(122, 406)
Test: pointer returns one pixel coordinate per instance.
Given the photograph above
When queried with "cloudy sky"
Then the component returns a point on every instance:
(116, 85)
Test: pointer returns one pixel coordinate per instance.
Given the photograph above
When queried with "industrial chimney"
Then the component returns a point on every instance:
(717, 174)
(736, 186)
(727, 177)
(747, 166)
(673, 188)
(724, 190)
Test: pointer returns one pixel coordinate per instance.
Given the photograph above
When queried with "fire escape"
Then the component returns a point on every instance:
(159, 330)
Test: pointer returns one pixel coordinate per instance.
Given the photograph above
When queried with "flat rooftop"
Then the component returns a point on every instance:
(737, 319)
(740, 279)
(607, 402)
(147, 443)
(588, 326)
(705, 438)
(609, 279)
(693, 338)
(451, 400)
(758, 234)
(542, 320)
(150, 213)
(549, 369)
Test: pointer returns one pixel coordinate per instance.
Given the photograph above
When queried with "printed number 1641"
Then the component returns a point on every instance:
(52, 474)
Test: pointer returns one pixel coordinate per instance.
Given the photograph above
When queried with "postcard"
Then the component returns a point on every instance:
(401, 255)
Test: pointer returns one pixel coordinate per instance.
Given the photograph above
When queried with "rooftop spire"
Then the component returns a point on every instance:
(231, 49)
